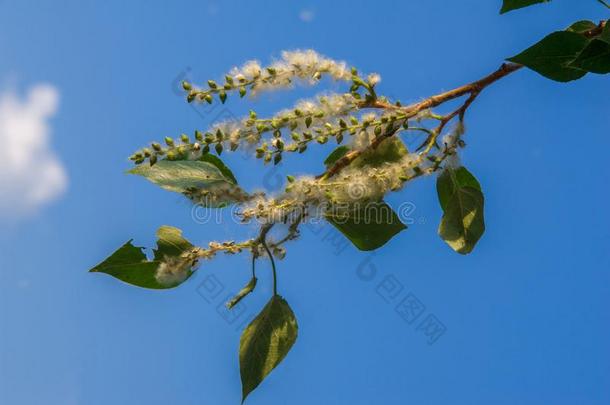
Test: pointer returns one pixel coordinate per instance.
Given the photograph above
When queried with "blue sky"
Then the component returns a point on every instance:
(525, 316)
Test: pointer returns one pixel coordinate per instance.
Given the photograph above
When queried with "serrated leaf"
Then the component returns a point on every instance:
(265, 342)
(595, 58)
(509, 5)
(248, 288)
(368, 226)
(462, 201)
(130, 264)
(550, 57)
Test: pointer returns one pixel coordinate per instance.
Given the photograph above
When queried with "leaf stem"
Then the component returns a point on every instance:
(264, 243)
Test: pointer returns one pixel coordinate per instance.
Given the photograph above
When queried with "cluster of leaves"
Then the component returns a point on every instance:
(584, 47)
(187, 166)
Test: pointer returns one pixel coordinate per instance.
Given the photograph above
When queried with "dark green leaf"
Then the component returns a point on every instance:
(129, 263)
(509, 5)
(265, 342)
(605, 36)
(551, 56)
(369, 226)
(248, 288)
(582, 26)
(594, 58)
(335, 155)
(462, 201)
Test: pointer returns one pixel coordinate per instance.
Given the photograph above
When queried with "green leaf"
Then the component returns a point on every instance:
(580, 27)
(182, 175)
(368, 226)
(335, 155)
(265, 342)
(207, 181)
(390, 150)
(551, 56)
(248, 288)
(595, 58)
(215, 160)
(605, 35)
(509, 5)
(462, 201)
(129, 263)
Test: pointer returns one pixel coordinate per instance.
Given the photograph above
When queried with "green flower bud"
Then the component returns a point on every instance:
(242, 91)
(212, 84)
(169, 141)
(208, 98)
(199, 136)
(184, 138)
(223, 96)
(186, 85)
(308, 121)
(156, 146)
(218, 148)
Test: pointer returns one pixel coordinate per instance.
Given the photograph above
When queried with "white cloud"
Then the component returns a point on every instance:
(31, 175)
(306, 15)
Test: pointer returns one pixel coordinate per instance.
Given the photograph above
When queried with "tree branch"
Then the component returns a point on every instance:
(472, 89)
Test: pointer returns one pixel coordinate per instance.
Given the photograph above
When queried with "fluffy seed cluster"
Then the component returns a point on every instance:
(173, 271)
(304, 65)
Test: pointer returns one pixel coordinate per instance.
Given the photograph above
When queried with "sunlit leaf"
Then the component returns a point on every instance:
(265, 342)
(206, 181)
(462, 201)
(130, 264)
(368, 226)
